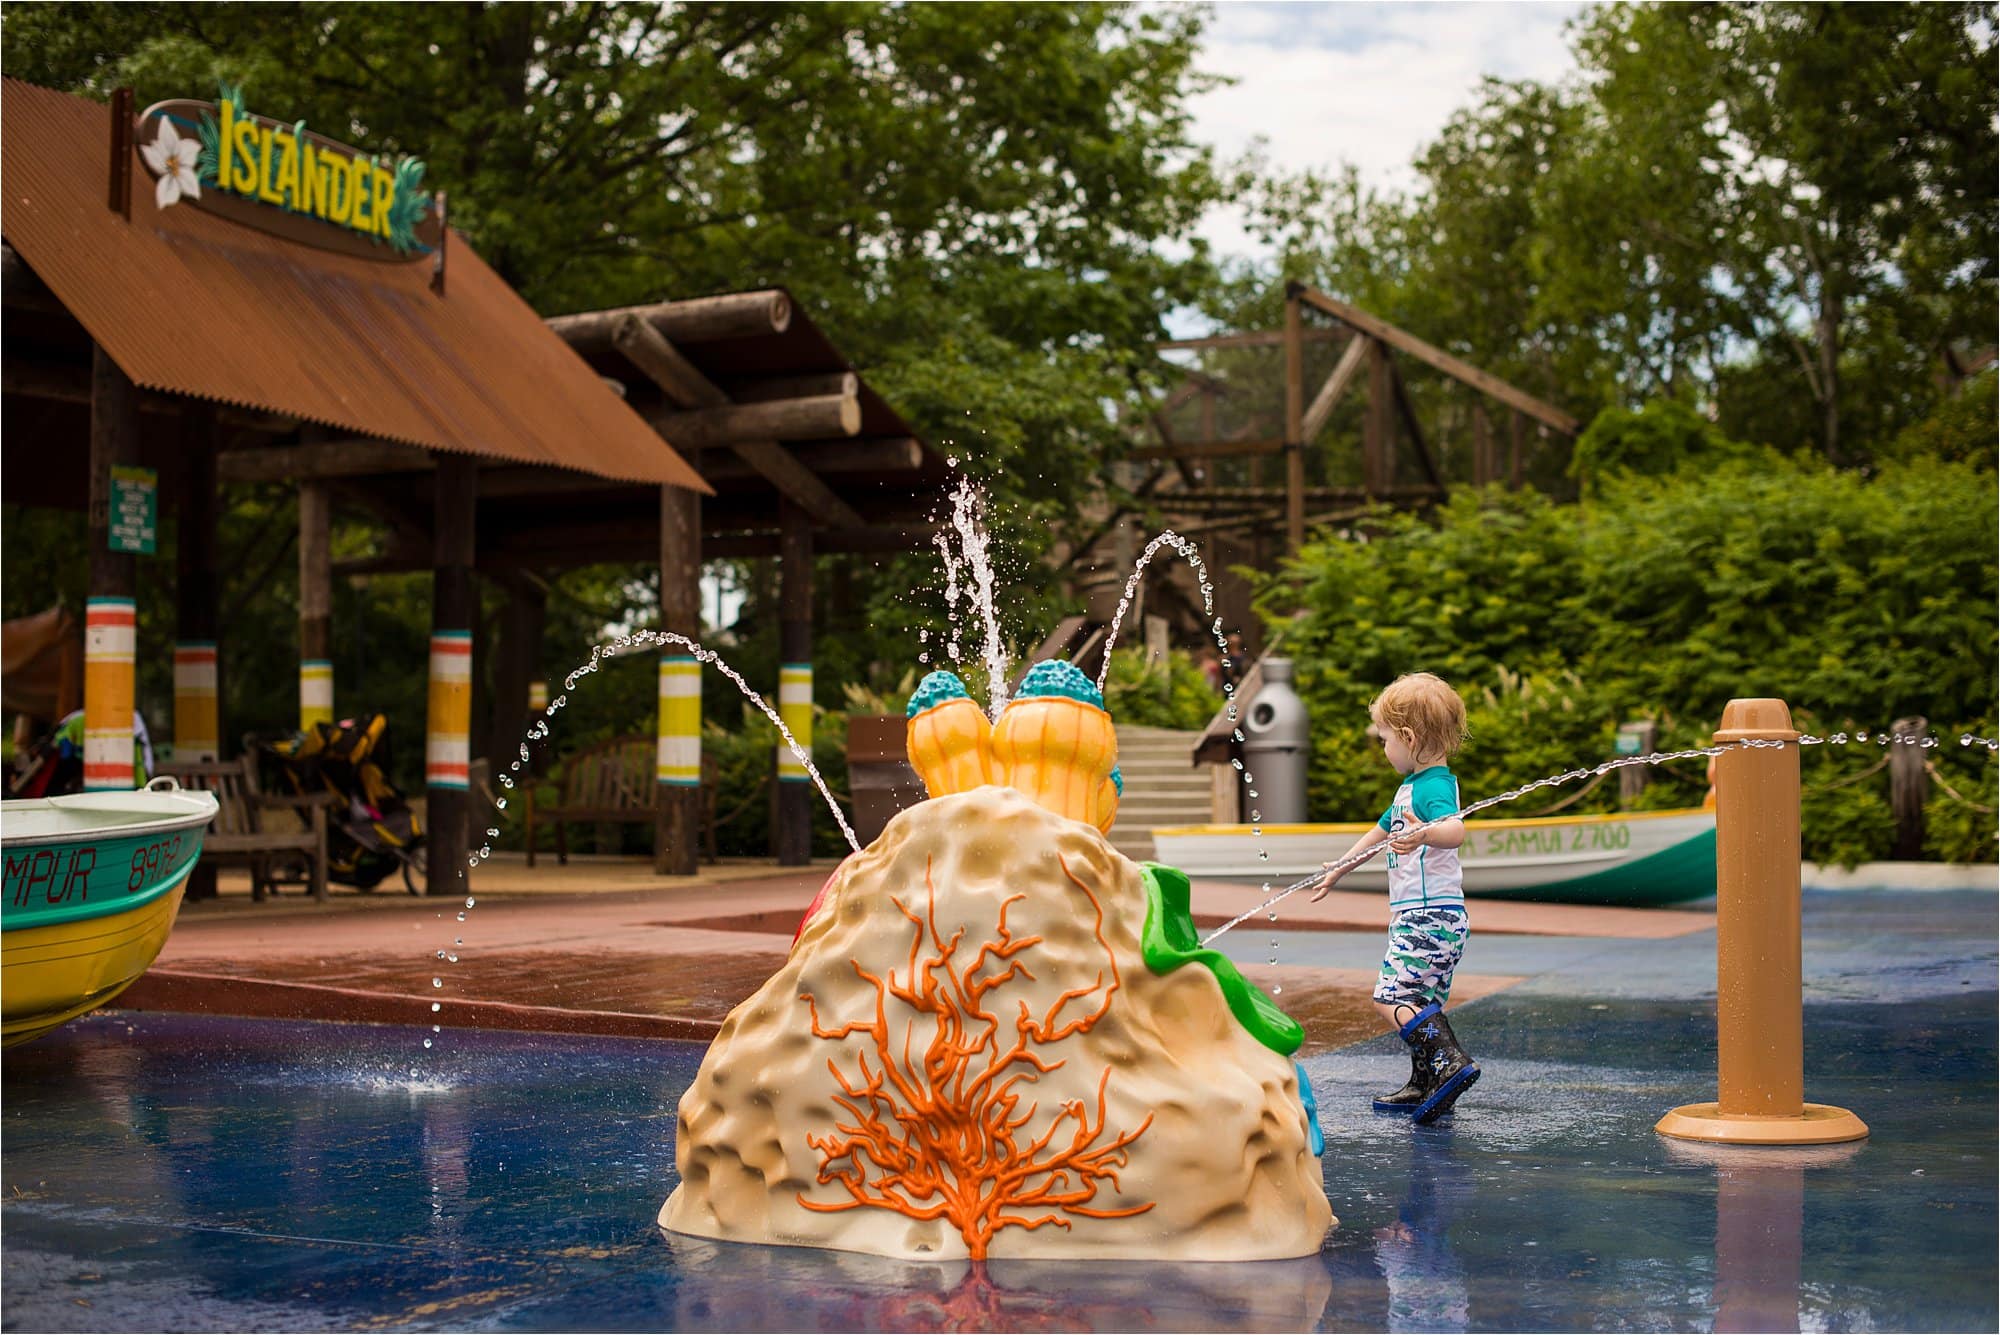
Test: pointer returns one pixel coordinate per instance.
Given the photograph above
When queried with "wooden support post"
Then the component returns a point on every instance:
(1295, 407)
(677, 828)
(519, 665)
(197, 728)
(1759, 1009)
(111, 616)
(454, 606)
(1908, 785)
(1517, 425)
(315, 605)
(792, 834)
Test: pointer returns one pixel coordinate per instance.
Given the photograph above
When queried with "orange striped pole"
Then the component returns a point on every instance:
(110, 638)
(197, 731)
(448, 737)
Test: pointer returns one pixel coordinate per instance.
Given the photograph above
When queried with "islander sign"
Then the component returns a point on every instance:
(286, 179)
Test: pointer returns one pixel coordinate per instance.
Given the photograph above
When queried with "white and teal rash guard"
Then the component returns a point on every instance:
(1429, 877)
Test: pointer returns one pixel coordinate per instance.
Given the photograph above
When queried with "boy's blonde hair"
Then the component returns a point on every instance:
(1428, 707)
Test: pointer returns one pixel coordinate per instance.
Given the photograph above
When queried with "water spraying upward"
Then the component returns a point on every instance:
(968, 572)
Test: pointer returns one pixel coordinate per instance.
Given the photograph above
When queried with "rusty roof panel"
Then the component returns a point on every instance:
(192, 304)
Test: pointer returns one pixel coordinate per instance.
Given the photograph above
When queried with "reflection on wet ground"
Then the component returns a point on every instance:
(166, 1172)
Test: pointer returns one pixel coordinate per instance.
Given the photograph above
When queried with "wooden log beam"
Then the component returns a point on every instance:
(752, 430)
(699, 320)
(1441, 360)
(737, 424)
(1336, 385)
(867, 454)
(766, 389)
(1295, 437)
(1378, 431)
(69, 382)
(321, 460)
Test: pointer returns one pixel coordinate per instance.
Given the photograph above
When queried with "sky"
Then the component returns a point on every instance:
(1370, 84)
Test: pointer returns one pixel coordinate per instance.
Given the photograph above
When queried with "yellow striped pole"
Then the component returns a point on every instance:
(680, 722)
(795, 707)
(447, 743)
(110, 638)
(538, 696)
(196, 722)
(315, 692)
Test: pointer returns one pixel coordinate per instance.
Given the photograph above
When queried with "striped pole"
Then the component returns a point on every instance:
(795, 707)
(196, 723)
(315, 692)
(538, 696)
(447, 743)
(680, 722)
(110, 637)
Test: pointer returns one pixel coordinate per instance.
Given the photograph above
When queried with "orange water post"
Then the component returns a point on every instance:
(1759, 1011)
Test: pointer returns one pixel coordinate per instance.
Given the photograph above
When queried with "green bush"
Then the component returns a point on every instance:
(1159, 693)
(1858, 600)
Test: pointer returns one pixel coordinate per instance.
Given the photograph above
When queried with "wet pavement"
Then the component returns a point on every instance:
(167, 1171)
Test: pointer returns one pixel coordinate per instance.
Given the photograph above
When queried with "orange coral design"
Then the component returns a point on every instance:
(940, 1134)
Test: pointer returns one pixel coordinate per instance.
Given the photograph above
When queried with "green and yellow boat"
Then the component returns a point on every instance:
(92, 884)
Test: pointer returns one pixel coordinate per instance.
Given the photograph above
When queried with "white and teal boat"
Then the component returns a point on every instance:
(93, 882)
(1629, 857)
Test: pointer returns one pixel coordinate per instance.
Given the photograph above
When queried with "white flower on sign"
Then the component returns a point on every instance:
(172, 159)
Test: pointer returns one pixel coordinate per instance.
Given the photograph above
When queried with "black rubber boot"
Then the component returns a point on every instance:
(1412, 1094)
(1449, 1071)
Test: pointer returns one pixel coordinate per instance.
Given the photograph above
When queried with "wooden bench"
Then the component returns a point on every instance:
(239, 835)
(610, 783)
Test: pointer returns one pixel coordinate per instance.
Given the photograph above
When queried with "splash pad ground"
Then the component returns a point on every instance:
(163, 1170)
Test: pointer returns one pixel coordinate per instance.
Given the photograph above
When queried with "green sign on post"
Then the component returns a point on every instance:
(135, 509)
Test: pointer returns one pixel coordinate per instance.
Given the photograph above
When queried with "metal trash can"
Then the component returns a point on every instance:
(1277, 744)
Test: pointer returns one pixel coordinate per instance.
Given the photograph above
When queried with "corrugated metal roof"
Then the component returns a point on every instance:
(193, 304)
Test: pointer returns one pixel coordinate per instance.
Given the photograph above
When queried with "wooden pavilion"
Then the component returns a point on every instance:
(193, 344)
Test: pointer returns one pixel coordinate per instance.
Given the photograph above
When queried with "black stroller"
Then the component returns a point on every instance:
(378, 834)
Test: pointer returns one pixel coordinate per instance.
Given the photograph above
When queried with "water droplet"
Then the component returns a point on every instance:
(458, 940)
(1965, 739)
(1276, 988)
(437, 982)
(452, 959)
(924, 657)
(436, 1006)
(492, 834)
(468, 901)
(1237, 763)
(461, 915)
(440, 954)
(500, 802)
(427, 1042)
(437, 1029)
(1253, 792)
(1255, 815)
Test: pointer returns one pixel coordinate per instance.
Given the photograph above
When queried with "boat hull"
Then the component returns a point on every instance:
(92, 884)
(1628, 858)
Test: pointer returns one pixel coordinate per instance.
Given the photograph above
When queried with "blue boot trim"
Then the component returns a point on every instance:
(1439, 1103)
(1400, 1109)
(1410, 1025)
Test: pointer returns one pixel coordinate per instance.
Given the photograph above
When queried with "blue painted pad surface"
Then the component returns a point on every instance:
(184, 1173)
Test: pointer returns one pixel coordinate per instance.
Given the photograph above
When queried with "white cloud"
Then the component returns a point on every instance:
(1325, 84)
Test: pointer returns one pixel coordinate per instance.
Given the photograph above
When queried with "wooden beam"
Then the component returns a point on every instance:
(737, 424)
(868, 454)
(1206, 449)
(1516, 428)
(21, 288)
(1483, 470)
(69, 382)
(699, 320)
(1295, 438)
(1408, 412)
(1264, 338)
(321, 460)
(1336, 384)
(752, 430)
(765, 389)
(1430, 355)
